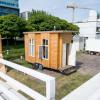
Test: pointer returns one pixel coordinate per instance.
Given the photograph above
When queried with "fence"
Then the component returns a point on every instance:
(88, 91)
(50, 81)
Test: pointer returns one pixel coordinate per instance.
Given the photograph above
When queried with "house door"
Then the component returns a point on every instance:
(65, 53)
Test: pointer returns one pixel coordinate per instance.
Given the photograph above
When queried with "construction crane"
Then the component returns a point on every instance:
(73, 6)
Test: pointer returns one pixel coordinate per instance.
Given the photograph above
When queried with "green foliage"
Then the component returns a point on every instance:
(14, 51)
(12, 25)
(42, 21)
(14, 54)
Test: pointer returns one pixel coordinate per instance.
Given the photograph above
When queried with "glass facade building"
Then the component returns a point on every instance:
(9, 7)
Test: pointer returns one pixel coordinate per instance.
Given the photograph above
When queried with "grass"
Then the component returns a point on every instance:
(29, 81)
(14, 52)
(64, 84)
(22, 62)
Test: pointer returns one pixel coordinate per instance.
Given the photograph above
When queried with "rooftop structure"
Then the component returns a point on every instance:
(89, 29)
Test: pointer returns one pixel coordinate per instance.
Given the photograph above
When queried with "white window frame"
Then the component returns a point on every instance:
(32, 47)
(45, 46)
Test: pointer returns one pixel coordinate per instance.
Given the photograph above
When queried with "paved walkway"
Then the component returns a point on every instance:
(89, 64)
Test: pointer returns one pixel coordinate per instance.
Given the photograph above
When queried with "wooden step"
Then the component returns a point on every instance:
(65, 67)
(68, 69)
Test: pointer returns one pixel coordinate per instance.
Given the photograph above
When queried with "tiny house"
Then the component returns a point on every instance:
(52, 49)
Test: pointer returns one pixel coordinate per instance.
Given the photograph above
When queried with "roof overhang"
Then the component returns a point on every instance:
(61, 31)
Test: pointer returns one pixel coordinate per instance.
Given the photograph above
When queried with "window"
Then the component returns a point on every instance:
(31, 47)
(98, 29)
(10, 3)
(43, 50)
(98, 35)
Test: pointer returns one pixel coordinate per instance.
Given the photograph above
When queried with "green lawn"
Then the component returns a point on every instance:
(64, 84)
(14, 52)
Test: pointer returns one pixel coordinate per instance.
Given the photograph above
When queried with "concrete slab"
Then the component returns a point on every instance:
(88, 64)
(16, 93)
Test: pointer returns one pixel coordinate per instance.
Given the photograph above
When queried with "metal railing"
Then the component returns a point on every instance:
(50, 81)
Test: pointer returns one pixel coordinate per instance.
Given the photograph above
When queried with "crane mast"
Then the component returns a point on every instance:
(73, 6)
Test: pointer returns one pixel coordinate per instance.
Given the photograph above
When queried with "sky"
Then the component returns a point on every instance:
(58, 7)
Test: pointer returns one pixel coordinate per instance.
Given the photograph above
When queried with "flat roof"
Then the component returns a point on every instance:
(61, 31)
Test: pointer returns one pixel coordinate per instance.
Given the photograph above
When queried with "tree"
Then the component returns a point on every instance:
(11, 26)
(42, 21)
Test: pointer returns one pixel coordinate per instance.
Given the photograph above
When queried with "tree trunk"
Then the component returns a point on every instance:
(15, 40)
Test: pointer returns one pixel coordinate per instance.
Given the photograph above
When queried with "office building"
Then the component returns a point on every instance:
(9, 7)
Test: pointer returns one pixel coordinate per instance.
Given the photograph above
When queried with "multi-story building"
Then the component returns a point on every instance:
(25, 15)
(9, 7)
(89, 29)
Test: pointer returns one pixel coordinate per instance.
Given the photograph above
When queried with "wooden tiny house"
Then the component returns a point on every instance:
(52, 49)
